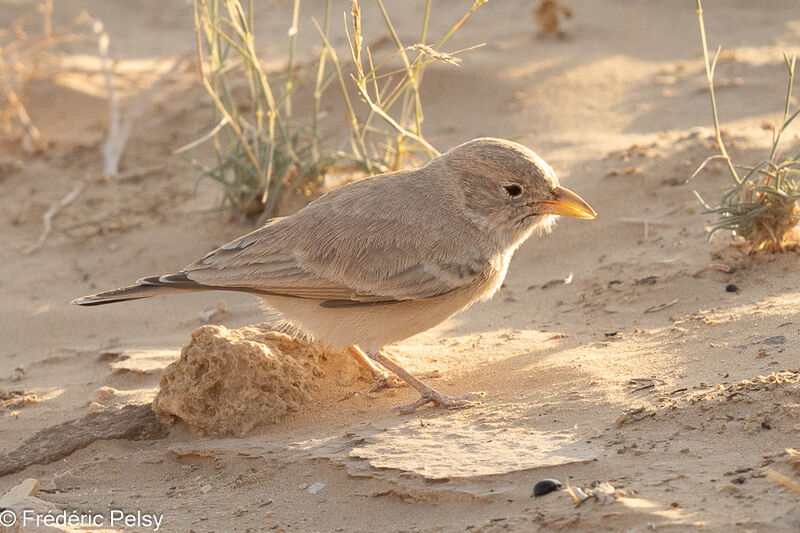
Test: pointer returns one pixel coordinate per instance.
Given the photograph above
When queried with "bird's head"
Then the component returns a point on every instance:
(509, 189)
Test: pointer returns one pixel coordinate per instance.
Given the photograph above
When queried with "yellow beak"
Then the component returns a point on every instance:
(566, 203)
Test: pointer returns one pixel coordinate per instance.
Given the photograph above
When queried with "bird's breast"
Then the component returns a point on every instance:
(496, 274)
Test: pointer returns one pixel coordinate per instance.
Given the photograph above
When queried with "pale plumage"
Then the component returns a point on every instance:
(384, 258)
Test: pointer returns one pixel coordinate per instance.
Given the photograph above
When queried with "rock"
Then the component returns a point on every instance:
(103, 395)
(143, 361)
(228, 382)
(134, 422)
(29, 487)
(546, 486)
(14, 399)
(14, 504)
(316, 487)
(95, 407)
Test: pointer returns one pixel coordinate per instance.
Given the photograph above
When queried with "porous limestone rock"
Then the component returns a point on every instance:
(229, 381)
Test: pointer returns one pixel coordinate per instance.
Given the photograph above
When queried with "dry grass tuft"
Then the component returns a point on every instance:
(761, 206)
(262, 151)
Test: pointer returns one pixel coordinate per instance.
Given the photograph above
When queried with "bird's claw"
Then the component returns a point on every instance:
(439, 400)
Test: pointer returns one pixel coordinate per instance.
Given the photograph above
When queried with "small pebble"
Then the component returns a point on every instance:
(730, 287)
(316, 487)
(546, 486)
(103, 395)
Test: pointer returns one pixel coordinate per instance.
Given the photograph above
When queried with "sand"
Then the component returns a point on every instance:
(643, 371)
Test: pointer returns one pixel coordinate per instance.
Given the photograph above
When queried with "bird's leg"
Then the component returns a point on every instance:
(429, 395)
(381, 379)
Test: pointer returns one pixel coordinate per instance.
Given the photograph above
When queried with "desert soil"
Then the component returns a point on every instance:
(674, 384)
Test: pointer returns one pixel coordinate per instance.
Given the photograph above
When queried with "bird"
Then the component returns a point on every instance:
(386, 257)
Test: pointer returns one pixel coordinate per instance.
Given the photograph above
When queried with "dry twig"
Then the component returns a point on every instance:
(119, 124)
(133, 422)
(783, 480)
(661, 307)
(47, 219)
(713, 266)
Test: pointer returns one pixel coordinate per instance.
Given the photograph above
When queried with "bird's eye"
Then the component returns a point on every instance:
(513, 190)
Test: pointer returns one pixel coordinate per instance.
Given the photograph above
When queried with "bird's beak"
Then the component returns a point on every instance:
(566, 203)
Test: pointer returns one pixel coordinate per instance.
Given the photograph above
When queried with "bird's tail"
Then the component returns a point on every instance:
(144, 288)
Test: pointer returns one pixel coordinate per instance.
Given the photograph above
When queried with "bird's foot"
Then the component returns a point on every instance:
(428, 395)
(439, 400)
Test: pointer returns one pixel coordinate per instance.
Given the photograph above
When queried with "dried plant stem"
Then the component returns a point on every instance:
(405, 132)
(361, 149)
(117, 145)
(20, 65)
(786, 119)
(411, 72)
(119, 125)
(763, 205)
(290, 67)
(710, 67)
(112, 150)
(47, 218)
(215, 97)
(32, 138)
(783, 480)
(260, 147)
(204, 138)
(703, 165)
(393, 123)
(319, 84)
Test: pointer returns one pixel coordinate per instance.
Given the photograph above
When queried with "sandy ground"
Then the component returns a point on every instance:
(618, 108)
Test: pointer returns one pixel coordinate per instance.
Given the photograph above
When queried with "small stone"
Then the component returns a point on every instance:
(730, 287)
(22, 498)
(316, 487)
(29, 487)
(546, 486)
(205, 489)
(102, 395)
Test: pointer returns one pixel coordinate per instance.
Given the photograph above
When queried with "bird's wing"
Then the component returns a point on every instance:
(370, 270)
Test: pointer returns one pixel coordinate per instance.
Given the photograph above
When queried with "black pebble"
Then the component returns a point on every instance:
(730, 287)
(546, 486)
